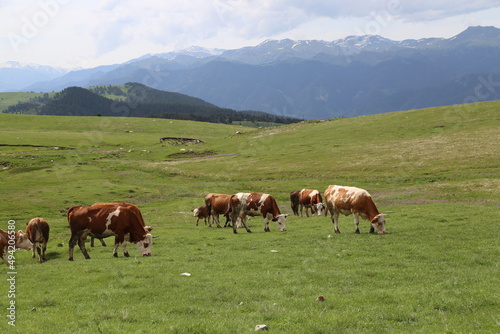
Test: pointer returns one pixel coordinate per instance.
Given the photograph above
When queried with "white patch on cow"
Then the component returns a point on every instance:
(90, 219)
(111, 214)
(195, 212)
(313, 193)
(263, 199)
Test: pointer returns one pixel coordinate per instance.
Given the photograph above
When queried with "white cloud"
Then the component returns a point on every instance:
(71, 33)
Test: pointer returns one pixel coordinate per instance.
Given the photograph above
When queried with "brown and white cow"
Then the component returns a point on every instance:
(127, 236)
(255, 204)
(217, 204)
(37, 230)
(12, 241)
(356, 201)
(201, 213)
(107, 219)
(308, 198)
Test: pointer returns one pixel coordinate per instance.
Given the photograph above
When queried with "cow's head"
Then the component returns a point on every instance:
(320, 208)
(22, 241)
(281, 221)
(195, 212)
(144, 245)
(378, 223)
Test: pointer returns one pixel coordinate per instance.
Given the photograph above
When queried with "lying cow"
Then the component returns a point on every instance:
(201, 213)
(20, 241)
(255, 204)
(356, 201)
(310, 199)
(37, 230)
(104, 220)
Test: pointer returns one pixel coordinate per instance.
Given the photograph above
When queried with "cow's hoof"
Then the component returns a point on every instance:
(126, 254)
(115, 255)
(71, 259)
(249, 231)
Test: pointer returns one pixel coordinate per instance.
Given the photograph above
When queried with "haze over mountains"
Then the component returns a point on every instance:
(357, 75)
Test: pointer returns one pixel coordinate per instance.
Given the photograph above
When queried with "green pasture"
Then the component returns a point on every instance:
(436, 172)
(8, 99)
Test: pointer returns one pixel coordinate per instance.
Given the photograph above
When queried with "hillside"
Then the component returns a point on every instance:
(134, 100)
(435, 172)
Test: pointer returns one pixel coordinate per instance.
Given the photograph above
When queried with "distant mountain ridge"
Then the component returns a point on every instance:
(313, 79)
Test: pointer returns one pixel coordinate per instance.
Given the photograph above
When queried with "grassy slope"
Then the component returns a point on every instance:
(8, 99)
(434, 171)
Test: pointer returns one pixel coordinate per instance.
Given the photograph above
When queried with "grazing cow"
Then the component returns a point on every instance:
(37, 230)
(255, 204)
(201, 213)
(127, 236)
(11, 241)
(217, 204)
(310, 199)
(106, 219)
(351, 200)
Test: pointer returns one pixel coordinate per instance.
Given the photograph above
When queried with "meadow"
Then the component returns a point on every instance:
(435, 172)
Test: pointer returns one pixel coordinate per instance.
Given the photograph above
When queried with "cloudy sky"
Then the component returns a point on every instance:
(71, 34)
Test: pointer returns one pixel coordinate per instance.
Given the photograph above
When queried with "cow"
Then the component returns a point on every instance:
(37, 230)
(310, 199)
(201, 213)
(127, 237)
(218, 204)
(255, 204)
(356, 201)
(106, 219)
(12, 241)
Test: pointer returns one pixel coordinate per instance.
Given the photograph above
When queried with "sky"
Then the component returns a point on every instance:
(82, 34)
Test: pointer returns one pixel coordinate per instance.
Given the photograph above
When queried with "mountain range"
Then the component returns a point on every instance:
(313, 79)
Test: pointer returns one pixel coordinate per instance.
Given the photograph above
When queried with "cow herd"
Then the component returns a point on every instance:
(124, 221)
(346, 200)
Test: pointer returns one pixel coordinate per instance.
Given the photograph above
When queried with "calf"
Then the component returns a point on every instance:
(255, 204)
(356, 201)
(11, 241)
(201, 213)
(37, 230)
(310, 199)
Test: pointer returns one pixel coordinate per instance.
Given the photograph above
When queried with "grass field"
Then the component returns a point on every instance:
(436, 172)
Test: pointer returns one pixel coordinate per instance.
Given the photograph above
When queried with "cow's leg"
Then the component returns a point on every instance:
(227, 219)
(335, 220)
(356, 222)
(81, 244)
(125, 251)
(266, 224)
(33, 250)
(217, 220)
(372, 229)
(115, 248)
(44, 250)
(38, 246)
(197, 219)
(72, 243)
